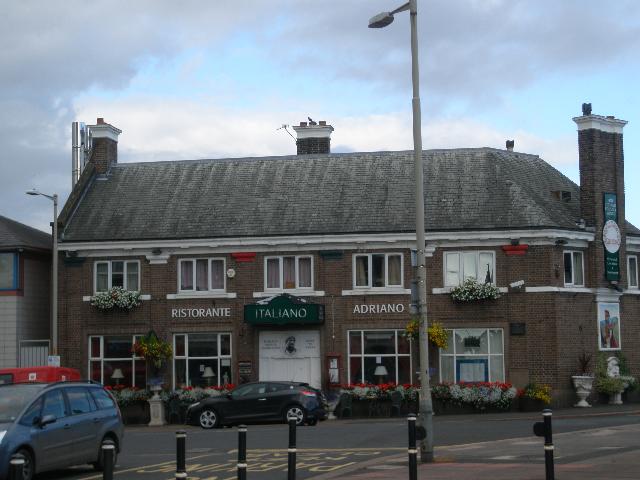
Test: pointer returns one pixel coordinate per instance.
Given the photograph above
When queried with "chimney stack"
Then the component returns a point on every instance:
(105, 145)
(602, 203)
(510, 145)
(313, 137)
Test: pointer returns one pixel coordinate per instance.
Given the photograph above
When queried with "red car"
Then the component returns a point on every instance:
(38, 374)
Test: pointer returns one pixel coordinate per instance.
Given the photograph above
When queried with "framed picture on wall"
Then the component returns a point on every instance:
(609, 326)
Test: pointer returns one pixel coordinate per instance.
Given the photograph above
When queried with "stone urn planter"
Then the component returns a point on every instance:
(583, 385)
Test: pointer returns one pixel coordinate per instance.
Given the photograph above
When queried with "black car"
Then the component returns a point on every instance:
(260, 402)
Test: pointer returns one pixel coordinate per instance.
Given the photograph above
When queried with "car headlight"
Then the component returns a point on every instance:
(193, 405)
(2, 434)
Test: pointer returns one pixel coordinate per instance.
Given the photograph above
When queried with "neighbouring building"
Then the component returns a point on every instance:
(299, 267)
(25, 294)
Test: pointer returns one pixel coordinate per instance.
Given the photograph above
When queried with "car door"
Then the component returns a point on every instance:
(279, 395)
(53, 442)
(247, 403)
(84, 424)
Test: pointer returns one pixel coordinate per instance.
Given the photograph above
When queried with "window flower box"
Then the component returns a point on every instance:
(116, 297)
(472, 291)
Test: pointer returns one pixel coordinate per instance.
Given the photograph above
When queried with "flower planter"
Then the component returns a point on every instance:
(583, 385)
(136, 413)
(527, 404)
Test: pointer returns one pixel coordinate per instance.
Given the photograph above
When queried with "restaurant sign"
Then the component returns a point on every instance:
(283, 309)
(611, 237)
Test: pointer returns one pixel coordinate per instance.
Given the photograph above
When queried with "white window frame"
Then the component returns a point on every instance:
(488, 355)
(370, 270)
(480, 273)
(110, 269)
(280, 259)
(362, 355)
(102, 359)
(572, 283)
(210, 260)
(629, 279)
(186, 356)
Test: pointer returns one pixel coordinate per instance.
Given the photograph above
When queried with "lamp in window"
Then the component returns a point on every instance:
(117, 376)
(208, 375)
(381, 372)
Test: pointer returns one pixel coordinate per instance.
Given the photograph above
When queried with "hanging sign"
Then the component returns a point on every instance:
(611, 237)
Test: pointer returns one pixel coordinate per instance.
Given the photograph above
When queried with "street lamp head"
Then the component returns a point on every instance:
(32, 192)
(381, 20)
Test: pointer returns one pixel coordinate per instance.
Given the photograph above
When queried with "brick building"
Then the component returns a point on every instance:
(25, 294)
(299, 267)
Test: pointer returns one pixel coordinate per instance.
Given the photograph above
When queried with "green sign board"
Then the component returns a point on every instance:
(611, 238)
(284, 310)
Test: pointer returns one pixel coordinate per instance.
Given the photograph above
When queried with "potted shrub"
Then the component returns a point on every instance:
(612, 377)
(583, 382)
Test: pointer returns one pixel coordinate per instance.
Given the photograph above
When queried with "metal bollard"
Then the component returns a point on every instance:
(242, 452)
(108, 454)
(291, 467)
(16, 465)
(181, 460)
(543, 429)
(413, 451)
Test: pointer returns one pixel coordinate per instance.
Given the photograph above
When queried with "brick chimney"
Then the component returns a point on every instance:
(601, 161)
(105, 145)
(313, 137)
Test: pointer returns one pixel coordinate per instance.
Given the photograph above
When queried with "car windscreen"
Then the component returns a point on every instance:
(13, 399)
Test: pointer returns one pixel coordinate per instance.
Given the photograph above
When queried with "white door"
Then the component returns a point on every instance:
(290, 356)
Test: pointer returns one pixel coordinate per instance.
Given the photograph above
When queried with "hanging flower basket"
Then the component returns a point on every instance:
(152, 349)
(435, 332)
(116, 297)
(472, 291)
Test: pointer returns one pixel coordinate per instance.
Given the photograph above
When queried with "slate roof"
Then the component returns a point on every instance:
(15, 235)
(478, 189)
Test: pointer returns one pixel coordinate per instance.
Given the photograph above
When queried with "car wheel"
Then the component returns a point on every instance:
(28, 468)
(209, 419)
(295, 411)
(99, 464)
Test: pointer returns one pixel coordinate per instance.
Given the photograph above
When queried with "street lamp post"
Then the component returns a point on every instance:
(54, 269)
(425, 416)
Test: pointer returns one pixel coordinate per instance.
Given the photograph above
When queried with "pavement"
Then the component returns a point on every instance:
(600, 453)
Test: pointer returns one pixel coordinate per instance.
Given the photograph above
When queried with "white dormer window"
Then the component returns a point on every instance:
(632, 271)
(377, 270)
(477, 265)
(573, 269)
(201, 275)
(288, 273)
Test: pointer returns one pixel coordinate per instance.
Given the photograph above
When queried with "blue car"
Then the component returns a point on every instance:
(56, 425)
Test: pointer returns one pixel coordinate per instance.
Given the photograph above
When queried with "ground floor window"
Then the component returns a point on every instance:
(201, 359)
(112, 362)
(379, 356)
(473, 355)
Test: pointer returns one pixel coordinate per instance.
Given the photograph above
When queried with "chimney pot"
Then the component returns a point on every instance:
(586, 109)
(510, 144)
(100, 121)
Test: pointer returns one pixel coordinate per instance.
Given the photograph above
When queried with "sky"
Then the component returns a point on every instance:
(201, 79)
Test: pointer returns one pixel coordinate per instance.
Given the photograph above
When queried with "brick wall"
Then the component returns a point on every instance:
(559, 325)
